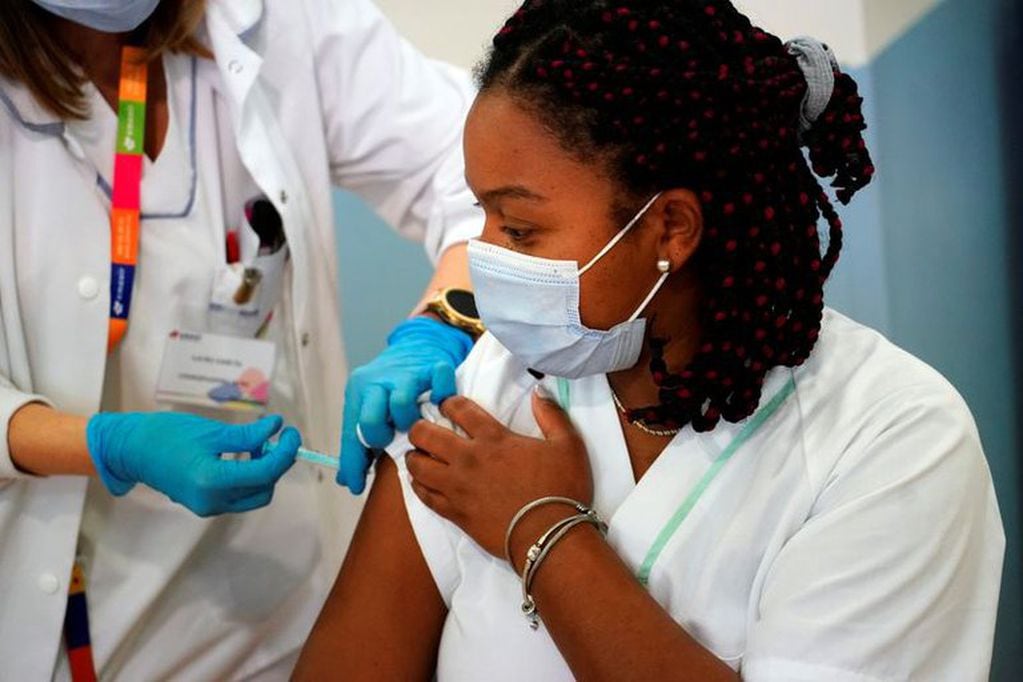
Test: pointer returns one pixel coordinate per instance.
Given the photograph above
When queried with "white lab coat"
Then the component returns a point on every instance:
(320, 94)
(848, 531)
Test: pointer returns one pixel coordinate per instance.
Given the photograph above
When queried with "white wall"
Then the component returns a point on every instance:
(458, 31)
(857, 30)
(839, 23)
(886, 20)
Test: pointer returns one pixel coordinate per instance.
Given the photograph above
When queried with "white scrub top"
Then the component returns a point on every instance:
(302, 96)
(847, 531)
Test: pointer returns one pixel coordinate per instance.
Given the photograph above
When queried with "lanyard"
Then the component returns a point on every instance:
(76, 630)
(125, 197)
(673, 523)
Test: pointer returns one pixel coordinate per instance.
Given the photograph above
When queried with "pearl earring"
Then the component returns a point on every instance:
(664, 265)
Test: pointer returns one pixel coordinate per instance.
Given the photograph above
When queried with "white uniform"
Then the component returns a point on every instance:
(302, 96)
(848, 531)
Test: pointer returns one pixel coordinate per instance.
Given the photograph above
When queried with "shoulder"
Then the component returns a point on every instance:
(869, 408)
(487, 376)
(854, 368)
(489, 364)
(320, 18)
(267, 25)
(496, 381)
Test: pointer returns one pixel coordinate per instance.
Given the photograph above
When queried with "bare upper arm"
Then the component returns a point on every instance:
(384, 616)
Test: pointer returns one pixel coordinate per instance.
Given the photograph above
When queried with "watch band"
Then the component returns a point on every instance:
(442, 306)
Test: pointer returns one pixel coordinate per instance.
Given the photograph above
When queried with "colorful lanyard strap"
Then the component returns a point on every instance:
(676, 519)
(125, 210)
(76, 630)
(125, 198)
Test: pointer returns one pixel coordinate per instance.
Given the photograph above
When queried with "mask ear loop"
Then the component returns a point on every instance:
(650, 296)
(618, 237)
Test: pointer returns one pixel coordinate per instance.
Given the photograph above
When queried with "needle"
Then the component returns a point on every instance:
(430, 413)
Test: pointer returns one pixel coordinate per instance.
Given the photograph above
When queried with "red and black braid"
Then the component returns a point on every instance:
(688, 93)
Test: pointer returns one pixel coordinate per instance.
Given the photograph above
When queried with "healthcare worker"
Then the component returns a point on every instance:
(739, 482)
(183, 252)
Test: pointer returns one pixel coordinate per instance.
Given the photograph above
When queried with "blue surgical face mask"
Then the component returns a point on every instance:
(531, 305)
(109, 16)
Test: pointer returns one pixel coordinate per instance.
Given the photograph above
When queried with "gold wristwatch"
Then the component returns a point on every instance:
(457, 307)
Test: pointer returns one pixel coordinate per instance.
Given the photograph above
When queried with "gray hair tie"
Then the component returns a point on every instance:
(818, 64)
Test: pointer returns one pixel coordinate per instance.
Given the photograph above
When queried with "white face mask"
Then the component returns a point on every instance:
(109, 16)
(531, 305)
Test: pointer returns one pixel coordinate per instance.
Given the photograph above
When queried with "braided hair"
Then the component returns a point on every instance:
(688, 93)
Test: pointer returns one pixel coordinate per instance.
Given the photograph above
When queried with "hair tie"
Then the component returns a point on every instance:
(818, 64)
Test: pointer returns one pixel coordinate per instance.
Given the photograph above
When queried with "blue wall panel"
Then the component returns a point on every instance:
(948, 235)
(858, 286)
(382, 277)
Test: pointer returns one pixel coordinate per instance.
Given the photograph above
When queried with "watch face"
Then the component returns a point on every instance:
(463, 302)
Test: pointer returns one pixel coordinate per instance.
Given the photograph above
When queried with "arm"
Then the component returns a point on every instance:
(384, 617)
(452, 271)
(603, 622)
(179, 455)
(421, 355)
(393, 127)
(36, 439)
(394, 124)
(46, 442)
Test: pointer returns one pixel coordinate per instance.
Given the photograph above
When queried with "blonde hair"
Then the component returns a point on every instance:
(31, 52)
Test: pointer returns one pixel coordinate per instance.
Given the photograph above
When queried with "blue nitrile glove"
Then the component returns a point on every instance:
(421, 355)
(180, 455)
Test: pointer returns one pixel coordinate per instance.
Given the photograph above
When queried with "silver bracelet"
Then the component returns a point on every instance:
(530, 506)
(539, 551)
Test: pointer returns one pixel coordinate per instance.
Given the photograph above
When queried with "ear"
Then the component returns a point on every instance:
(680, 217)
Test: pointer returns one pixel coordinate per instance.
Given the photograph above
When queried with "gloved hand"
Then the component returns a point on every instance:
(180, 455)
(421, 354)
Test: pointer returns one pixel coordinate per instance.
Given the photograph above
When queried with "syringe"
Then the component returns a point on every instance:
(318, 458)
(430, 413)
(311, 456)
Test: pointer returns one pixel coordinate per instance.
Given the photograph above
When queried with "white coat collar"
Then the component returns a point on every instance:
(241, 16)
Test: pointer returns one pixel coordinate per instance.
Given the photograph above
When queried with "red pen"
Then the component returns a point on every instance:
(233, 249)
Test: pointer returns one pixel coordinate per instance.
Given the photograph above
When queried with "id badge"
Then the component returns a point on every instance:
(216, 371)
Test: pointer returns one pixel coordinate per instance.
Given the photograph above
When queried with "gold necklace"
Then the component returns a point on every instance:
(639, 423)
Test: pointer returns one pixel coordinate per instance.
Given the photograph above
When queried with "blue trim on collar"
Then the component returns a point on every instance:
(55, 128)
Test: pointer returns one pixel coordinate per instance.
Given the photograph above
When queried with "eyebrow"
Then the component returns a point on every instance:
(511, 192)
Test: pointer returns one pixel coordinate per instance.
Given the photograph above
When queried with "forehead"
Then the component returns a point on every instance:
(506, 143)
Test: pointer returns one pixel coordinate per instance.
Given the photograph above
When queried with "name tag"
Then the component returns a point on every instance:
(213, 370)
